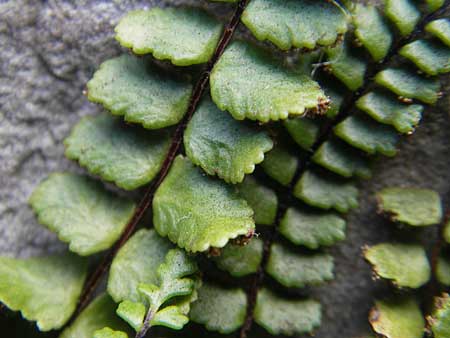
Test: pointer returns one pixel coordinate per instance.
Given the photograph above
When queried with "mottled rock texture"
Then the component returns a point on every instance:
(48, 51)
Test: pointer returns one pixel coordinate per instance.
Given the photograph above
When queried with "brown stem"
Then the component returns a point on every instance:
(256, 284)
(146, 325)
(146, 200)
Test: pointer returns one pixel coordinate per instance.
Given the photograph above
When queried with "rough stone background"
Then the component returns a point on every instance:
(48, 51)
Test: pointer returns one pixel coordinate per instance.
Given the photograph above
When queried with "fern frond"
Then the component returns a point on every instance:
(150, 278)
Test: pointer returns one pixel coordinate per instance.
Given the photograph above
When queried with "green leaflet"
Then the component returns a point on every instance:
(440, 319)
(172, 283)
(127, 155)
(280, 164)
(342, 159)
(100, 313)
(406, 83)
(133, 313)
(286, 316)
(262, 200)
(295, 23)
(106, 332)
(304, 131)
(248, 83)
(142, 93)
(223, 146)
(404, 14)
(440, 29)
(312, 228)
(43, 289)
(434, 4)
(364, 133)
(295, 269)
(372, 31)
(137, 262)
(326, 192)
(219, 309)
(406, 265)
(431, 57)
(412, 206)
(185, 36)
(81, 211)
(241, 260)
(347, 64)
(336, 92)
(443, 269)
(197, 212)
(384, 108)
(303, 62)
(397, 318)
(447, 231)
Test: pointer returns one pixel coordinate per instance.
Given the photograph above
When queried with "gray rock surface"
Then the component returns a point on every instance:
(48, 51)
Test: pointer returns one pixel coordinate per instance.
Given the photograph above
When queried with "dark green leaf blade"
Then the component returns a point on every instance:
(326, 192)
(280, 164)
(126, 155)
(441, 29)
(447, 231)
(294, 269)
(347, 64)
(384, 108)
(408, 84)
(312, 229)
(223, 146)
(219, 309)
(443, 269)
(342, 159)
(434, 4)
(368, 135)
(429, 56)
(286, 316)
(304, 131)
(241, 260)
(372, 30)
(261, 199)
(336, 92)
(404, 14)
